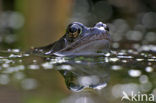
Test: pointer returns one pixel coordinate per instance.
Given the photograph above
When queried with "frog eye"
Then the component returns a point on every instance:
(74, 30)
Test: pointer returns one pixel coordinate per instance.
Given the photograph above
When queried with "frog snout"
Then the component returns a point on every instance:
(102, 26)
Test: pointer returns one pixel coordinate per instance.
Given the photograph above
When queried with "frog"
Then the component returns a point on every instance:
(80, 40)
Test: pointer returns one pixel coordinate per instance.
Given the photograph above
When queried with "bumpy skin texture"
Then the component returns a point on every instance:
(79, 40)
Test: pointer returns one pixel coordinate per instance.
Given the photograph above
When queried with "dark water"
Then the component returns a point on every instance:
(100, 79)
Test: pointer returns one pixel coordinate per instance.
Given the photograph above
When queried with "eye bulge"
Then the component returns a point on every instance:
(74, 30)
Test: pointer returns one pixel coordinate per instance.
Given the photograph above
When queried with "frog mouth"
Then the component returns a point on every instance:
(87, 45)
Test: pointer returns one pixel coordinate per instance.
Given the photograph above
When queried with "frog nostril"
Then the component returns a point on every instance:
(107, 28)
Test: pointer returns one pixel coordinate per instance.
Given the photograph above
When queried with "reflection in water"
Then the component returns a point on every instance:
(85, 78)
(80, 76)
(92, 79)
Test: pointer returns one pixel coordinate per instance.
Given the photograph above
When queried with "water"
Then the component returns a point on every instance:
(129, 68)
(88, 79)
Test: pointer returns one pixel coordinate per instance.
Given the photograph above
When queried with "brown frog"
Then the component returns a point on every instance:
(80, 40)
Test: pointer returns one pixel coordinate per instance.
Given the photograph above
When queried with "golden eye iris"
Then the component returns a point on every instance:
(73, 35)
(74, 31)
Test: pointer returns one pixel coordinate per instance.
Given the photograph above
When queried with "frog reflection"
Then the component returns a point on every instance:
(79, 76)
(79, 40)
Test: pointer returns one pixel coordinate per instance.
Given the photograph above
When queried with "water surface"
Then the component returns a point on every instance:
(88, 79)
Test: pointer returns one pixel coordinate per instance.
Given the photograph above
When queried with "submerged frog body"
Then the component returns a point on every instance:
(80, 40)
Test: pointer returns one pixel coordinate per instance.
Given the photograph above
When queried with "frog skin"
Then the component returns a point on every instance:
(80, 40)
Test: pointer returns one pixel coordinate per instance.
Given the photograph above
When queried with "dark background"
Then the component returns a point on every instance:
(26, 23)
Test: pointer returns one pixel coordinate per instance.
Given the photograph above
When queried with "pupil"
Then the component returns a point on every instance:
(72, 29)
